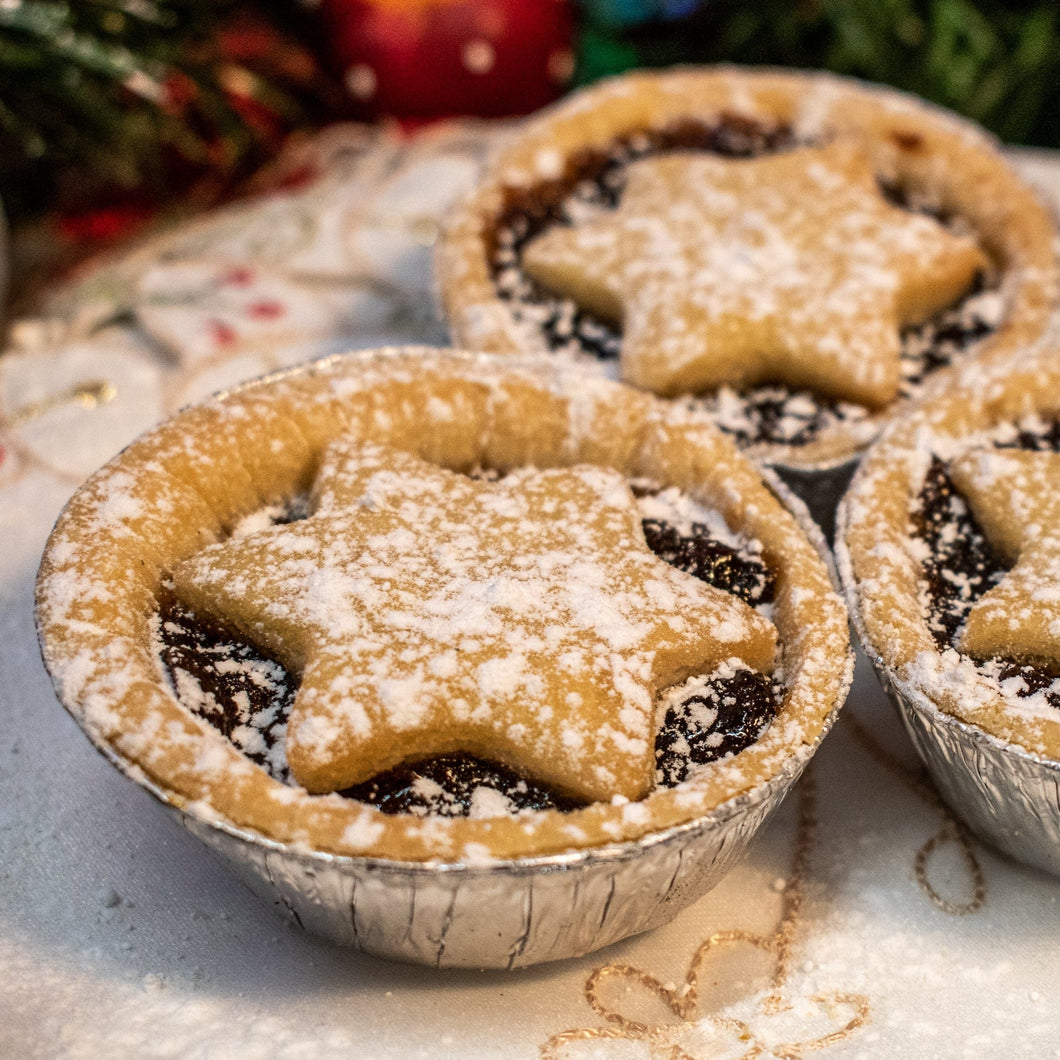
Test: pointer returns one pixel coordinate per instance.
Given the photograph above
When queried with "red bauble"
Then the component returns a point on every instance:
(420, 59)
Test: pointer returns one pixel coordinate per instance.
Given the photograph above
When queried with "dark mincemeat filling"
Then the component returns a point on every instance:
(248, 698)
(772, 413)
(962, 567)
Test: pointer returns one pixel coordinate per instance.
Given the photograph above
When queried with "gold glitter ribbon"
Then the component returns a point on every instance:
(668, 1040)
(91, 395)
(951, 831)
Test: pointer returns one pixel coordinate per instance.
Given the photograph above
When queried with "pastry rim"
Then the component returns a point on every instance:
(105, 672)
(881, 576)
(962, 162)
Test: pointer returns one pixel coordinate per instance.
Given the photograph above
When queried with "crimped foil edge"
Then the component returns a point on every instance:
(1006, 795)
(498, 914)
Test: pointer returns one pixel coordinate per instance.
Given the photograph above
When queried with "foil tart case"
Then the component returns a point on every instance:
(820, 488)
(1005, 795)
(541, 908)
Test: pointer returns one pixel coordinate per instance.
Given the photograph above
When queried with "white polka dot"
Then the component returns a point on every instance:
(361, 81)
(478, 56)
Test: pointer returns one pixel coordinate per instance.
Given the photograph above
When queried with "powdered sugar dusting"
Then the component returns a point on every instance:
(992, 543)
(532, 590)
(789, 267)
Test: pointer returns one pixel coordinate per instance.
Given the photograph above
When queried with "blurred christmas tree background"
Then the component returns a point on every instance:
(998, 63)
(121, 105)
(138, 97)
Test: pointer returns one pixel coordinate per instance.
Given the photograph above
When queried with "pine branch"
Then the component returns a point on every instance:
(118, 88)
(996, 62)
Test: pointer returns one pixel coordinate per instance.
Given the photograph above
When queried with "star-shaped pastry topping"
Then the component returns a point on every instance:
(1015, 496)
(523, 621)
(789, 268)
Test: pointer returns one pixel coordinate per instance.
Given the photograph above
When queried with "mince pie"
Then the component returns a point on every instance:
(795, 253)
(950, 545)
(420, 605)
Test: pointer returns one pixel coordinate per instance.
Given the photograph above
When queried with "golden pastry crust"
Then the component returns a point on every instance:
(929, 153)
(186, 484)
(880, 562)
(1015, 497)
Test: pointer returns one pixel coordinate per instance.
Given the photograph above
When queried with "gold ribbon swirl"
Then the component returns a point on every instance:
(676, 1039)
